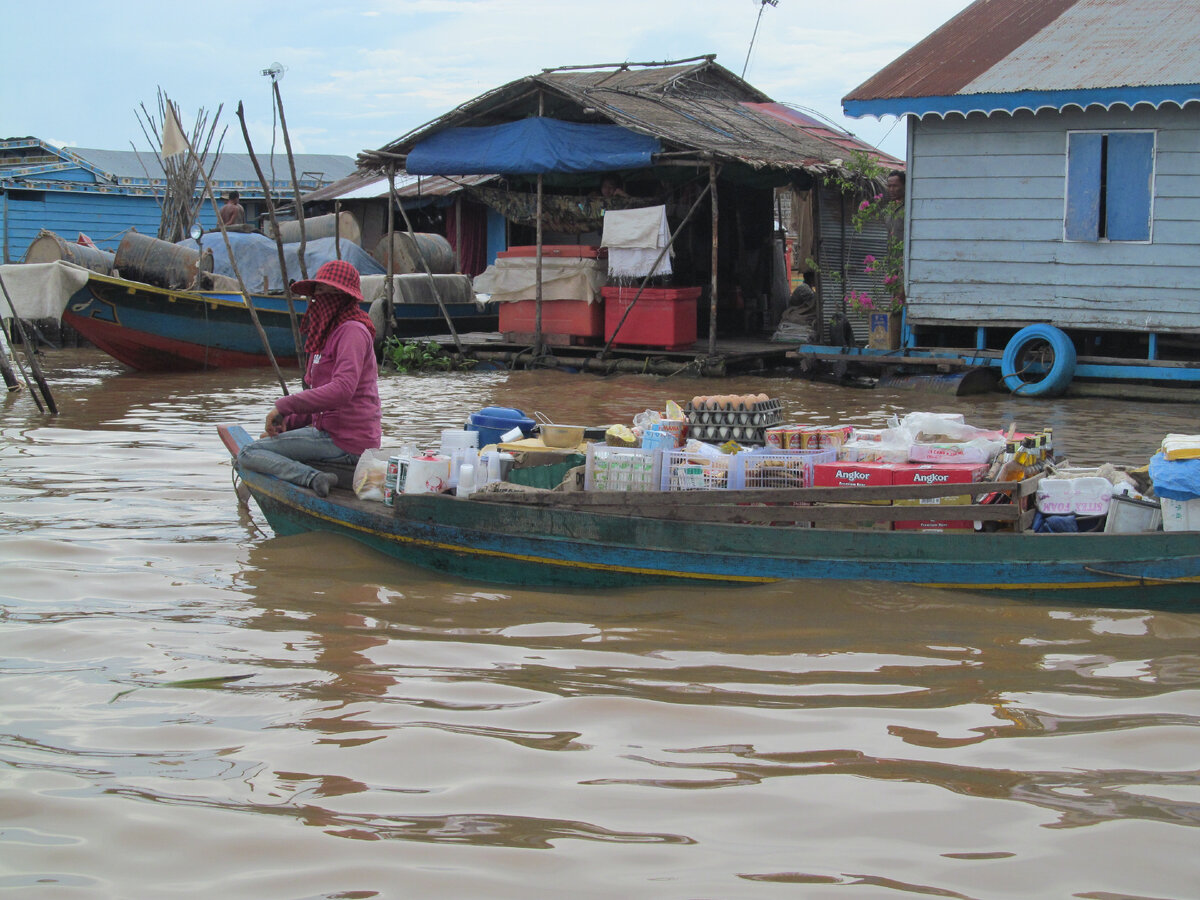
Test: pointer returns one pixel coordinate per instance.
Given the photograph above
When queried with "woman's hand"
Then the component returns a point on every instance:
(274, 423)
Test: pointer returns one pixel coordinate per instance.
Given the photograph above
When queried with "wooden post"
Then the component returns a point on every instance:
(389, 303)
(458, 211)
(337, 229)
(287, 143)
(437, 295)
(10, 380)
(30, 355)
(283, 272)
(712, 300)
(537, 328)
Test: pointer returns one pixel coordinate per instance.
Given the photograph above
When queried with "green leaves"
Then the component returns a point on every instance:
(419, 356)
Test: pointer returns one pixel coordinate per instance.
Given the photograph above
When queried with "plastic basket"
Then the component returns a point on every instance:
(621, 469)
(684, 471)
(776, 469)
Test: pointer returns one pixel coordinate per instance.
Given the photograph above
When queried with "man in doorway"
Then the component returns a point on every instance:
(233, 213)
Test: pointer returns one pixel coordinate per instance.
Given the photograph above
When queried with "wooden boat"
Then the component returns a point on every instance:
(153, 328)
(613, 539)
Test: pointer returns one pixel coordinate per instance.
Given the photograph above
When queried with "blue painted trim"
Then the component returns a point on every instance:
(980, 338)
(1153, 347)
(1010, 102)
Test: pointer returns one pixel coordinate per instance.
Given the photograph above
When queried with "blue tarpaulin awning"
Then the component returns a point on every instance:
(531, 147)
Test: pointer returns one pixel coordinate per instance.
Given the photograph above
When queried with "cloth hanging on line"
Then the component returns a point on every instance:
(635, 239)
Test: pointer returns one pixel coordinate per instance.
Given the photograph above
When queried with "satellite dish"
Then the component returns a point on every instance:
(195, 232)
(275, 71)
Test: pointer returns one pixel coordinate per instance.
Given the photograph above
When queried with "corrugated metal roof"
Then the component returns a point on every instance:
(370, 186)
(1006, 55)
(310, 167)
(699, 108)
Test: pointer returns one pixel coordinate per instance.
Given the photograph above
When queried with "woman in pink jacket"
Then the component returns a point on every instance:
(337, 417)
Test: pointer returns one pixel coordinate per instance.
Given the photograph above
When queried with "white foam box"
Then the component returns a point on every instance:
(1180, 515)
(1129, 515)
(1086, 496)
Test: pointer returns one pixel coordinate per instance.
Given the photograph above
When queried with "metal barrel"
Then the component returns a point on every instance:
(142, 258)
(342, 224)
(408, 250)
(49, 247)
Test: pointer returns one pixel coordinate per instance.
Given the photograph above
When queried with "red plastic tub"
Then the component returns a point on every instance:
(576, 320)
(562, 251)
(662, 317)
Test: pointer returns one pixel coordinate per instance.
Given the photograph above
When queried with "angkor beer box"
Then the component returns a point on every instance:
(936, 473)
(848, 474)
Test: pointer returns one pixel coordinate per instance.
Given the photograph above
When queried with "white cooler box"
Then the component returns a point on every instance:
(1086, 496)
(1180, 515)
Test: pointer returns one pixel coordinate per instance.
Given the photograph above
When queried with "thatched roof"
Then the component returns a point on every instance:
(696, 108)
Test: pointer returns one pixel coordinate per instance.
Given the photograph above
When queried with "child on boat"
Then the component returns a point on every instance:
(338, 415)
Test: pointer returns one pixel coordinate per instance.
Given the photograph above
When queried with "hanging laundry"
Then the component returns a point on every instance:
(635, 239)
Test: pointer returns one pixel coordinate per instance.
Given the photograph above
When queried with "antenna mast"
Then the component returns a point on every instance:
(761, 6)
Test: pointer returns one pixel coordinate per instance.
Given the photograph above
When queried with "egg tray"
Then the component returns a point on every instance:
(719, 434)
(760, 415)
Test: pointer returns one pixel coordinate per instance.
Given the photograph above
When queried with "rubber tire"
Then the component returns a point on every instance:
(1061, 372)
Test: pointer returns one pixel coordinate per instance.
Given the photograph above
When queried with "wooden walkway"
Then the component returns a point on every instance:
(732, 357)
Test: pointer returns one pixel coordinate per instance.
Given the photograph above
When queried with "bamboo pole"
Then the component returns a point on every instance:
(10, 380)
(712, 300)
(31, 356)
(283, 272)
(287, 143)
(646, 280)
(537, 330)
(437, 295)
(391, 260)
(212, 198)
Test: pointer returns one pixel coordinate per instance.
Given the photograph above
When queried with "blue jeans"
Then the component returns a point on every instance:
(292, 455)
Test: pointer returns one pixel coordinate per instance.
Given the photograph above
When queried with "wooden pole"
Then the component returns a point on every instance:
(712, 300)
(537, 329)
(337, 229)
(283, 272)
(390, 302)
(458, 211)
(437, 295)
(30, 355)
(10, 379)
(646, 280)
(287, 143)
(212, 198)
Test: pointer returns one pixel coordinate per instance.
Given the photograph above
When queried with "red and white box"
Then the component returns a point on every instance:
(852, 474)
(936, 473)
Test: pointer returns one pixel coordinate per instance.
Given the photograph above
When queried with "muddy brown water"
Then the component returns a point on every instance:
(397, 734)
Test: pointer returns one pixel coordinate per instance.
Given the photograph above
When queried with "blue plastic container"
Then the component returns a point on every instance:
(493, 421)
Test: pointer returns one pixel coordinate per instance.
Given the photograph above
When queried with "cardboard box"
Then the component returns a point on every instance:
(945, 473)
(851, 474)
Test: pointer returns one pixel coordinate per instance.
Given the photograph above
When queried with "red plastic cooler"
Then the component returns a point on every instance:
(662, 317)
(563, 321)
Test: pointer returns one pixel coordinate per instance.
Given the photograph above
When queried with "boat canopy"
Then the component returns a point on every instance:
(530, 147)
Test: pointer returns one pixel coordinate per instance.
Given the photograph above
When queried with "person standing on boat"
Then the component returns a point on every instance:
(233, 213)
(338, 416)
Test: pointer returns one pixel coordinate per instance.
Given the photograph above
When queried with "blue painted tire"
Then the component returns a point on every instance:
(1046, 381)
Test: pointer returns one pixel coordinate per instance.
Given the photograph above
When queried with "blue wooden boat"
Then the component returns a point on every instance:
(156, 329)
(700, 538)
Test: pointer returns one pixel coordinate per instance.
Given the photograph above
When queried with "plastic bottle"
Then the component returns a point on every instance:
(466, 480)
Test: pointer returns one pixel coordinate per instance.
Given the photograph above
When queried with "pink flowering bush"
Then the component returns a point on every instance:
(873, 207)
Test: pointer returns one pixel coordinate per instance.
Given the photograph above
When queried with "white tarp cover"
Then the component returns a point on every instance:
(563, 278)
(41, 290)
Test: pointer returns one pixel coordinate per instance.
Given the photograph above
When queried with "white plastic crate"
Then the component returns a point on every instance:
(776, 469)
(621, 468)
(684, 471)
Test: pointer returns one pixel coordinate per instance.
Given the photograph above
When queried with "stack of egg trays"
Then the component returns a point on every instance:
(747, 426)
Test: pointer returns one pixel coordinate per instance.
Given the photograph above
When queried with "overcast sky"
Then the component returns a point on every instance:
(361, 74)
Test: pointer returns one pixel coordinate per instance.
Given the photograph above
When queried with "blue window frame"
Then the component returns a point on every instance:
(1110, 185)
